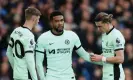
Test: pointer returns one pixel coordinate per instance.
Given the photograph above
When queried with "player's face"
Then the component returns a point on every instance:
(36, 20)
(101, 27)
(58, 23)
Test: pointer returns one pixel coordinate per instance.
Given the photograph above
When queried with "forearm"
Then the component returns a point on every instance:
(10, 59)
(83, 54)
(98, 63)
(119, 58)
(31, 65)
(114, 59)
(10, 56)
(86, 56)
(39, 66)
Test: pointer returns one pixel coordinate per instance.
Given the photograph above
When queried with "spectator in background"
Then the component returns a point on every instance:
(128, 74)
(81, 78)
(127, 35)
(97, 73)
(4, 71)
(128, 62)
(69, 24)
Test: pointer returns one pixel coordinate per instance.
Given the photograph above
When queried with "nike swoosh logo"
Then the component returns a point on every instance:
(51, 43)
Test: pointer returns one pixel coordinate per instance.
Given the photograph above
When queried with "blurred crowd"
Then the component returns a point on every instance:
(79, 17)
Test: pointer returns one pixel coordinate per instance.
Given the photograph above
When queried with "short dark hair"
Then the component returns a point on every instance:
(30, 11)
(55, 13)
(104, 17)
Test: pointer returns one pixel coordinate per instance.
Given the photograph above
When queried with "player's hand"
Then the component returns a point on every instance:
(96, 58)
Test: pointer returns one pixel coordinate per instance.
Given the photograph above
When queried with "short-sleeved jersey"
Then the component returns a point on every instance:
(111, 42)
(21, 42)
(58, 52)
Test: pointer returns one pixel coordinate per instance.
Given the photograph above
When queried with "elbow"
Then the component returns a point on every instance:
(121, 60)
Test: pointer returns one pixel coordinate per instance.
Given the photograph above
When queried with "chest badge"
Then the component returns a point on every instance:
(67, 42)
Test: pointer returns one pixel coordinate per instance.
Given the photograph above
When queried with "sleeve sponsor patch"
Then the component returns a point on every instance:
(31, 42)
(117, 40)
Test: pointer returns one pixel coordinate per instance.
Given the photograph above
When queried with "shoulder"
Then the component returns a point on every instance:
(71, 33)
(44, 35)
(26, 33)
(22, 32)
(117, 33)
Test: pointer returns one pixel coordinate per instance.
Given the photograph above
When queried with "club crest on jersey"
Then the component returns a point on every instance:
(67, 41)
(117, 40)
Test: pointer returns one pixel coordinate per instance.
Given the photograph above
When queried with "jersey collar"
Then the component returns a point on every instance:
(26, 28)
(57, 34)
(110, 31)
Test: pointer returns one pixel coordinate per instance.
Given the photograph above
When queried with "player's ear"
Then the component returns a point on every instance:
(33, 18)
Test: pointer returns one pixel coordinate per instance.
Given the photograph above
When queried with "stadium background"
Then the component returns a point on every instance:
(79, 17)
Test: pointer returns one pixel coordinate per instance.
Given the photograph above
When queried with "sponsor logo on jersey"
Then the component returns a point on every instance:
(118, 45)
(107, 50)
(60, 50)
(63, 50)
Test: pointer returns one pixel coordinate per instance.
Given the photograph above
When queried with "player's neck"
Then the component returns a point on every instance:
(109, 29)
(56, 33)
(28, 24)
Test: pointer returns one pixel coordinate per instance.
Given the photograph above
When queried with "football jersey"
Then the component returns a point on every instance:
(58, 50)
(111, 42)
(21, 42)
